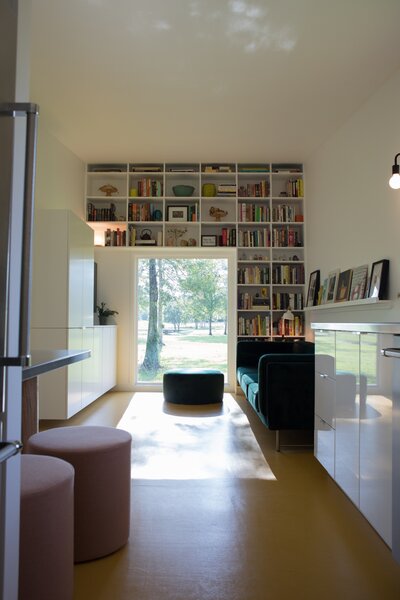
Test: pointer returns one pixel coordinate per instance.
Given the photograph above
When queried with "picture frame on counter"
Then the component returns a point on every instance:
(333, 278)
(343, 286)
(359, 283)
(313, 288)
(378, 283)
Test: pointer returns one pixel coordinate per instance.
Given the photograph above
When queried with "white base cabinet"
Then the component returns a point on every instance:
(64, 392)
(354, 416)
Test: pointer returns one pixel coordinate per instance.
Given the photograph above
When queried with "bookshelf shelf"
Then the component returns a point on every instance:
(261, 208)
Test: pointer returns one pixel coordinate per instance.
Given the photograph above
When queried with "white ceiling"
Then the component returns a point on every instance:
(122, 80)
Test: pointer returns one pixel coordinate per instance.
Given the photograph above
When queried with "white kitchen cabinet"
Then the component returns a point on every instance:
(347, 413)
(64, 392)
(376, 408)
(325, 394)
(63, 270)
(363, 436)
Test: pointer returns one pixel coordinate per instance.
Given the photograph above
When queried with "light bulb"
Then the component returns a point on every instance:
(394, 181)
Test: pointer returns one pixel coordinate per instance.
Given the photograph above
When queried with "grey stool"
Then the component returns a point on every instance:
(101, 457)
(193, 386)
(46, 558)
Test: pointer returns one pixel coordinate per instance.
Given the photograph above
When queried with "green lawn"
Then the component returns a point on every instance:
(189, 348)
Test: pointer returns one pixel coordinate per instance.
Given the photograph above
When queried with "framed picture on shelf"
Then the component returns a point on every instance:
(333, 278)
(177, 213)
(313, 289)
(324, 294)
(343, 286)
(379, 280)
(208, 240)
(359, 283)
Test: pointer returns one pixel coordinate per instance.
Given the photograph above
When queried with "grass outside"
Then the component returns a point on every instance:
(189, 348)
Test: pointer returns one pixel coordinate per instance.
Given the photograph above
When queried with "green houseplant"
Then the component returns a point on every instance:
(104, 312)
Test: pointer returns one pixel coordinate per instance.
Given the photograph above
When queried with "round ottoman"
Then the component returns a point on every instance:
(193, 386)
(101, 457)
(46, 557)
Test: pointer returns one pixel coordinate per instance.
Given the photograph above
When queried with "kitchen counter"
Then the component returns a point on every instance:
(42, 361)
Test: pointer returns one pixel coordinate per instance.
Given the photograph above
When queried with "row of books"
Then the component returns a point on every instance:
(259, 325)
(288, 274)
(286, 237)
(227, 237)
(149, 187)
(115, 237)
(101, 214)
(247, 301)
(284, 213)
(255, 190)
(283, 301)
(293, 328)
(254, 212)
(256, 238)
(295, 188)
(257, 275)
(141, 212)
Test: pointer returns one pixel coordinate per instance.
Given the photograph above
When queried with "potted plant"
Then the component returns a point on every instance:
(104, 312)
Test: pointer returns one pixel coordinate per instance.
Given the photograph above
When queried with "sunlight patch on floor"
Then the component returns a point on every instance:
(191, 442)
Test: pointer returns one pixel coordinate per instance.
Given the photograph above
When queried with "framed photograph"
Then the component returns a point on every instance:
(359, 283)
(333, 278)
(378, 284)
(324, 291)
(313, 289)
(208, 240)
(177, 213)
(343, 286)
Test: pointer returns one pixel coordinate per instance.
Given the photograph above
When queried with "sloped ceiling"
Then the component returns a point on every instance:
(183, 80)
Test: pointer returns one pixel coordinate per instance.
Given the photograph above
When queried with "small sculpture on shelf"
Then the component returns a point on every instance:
(108, 189)
(217, 213)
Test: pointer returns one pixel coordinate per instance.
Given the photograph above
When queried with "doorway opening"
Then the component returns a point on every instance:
(183, 308)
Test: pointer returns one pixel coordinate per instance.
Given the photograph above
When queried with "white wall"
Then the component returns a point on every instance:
(60, 174)
(352, 215)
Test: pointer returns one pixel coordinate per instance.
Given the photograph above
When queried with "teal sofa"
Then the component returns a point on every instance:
(277, 379)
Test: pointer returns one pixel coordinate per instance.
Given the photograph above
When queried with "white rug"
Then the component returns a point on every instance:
(172, 441)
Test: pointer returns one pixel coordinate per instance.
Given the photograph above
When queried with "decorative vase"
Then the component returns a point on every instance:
(103, 320)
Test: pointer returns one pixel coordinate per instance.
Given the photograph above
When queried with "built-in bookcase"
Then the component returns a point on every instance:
(257, 208)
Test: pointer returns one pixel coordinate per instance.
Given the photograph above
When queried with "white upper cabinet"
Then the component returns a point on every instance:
(63, 270)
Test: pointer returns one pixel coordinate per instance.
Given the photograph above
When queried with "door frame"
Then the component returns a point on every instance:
(180, 253)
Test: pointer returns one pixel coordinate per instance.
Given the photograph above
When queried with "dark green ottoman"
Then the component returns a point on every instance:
(193, 386)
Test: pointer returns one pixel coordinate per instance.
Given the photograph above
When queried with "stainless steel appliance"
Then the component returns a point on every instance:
(18, 120)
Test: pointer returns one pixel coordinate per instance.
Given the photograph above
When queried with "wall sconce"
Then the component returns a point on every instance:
(394, 181)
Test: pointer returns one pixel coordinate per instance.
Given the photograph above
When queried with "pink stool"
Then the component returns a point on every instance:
(46, 561)
(101, 457)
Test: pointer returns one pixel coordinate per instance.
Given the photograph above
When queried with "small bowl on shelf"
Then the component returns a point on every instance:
(183, 190)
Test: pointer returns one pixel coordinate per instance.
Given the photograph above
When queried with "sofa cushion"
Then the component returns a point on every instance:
(252, 395)
(246, 375)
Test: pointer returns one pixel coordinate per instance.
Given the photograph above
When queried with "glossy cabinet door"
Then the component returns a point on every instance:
(347, 430)
(376, 407)
(325, 394)
(109, 358)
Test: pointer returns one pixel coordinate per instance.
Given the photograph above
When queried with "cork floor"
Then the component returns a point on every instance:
(217, 514)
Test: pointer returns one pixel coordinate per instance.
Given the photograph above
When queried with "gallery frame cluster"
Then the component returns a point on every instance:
(349, 285)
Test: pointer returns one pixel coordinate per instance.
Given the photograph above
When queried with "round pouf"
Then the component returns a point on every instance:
(101, 457)
(46, 558)
(193, 386)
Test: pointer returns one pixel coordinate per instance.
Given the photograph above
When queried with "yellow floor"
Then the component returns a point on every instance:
(218, 514)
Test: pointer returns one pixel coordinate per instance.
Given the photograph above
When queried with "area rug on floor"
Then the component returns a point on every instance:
(191, 442)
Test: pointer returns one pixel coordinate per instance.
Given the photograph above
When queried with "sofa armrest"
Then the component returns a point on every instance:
(286, 390)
